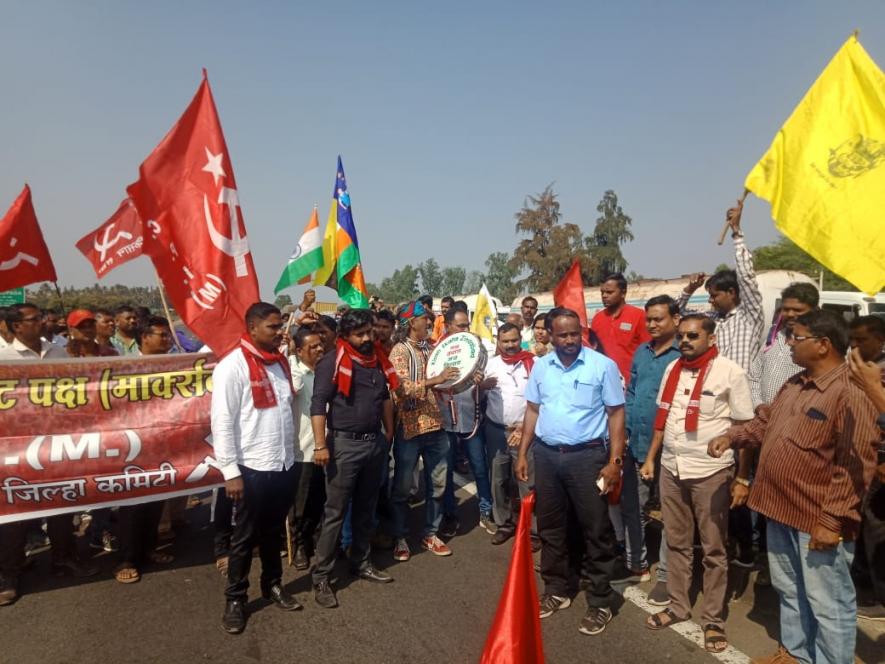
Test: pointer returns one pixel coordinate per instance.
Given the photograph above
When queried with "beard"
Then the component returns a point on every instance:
(366, 348)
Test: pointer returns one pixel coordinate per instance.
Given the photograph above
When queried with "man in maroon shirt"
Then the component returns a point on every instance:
(620, 326)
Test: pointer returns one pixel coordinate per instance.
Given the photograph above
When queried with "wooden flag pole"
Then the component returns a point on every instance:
(61, 300)
(727, 222)
(168, 314)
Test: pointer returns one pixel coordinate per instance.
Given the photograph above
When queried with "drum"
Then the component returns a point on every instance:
(463, 351)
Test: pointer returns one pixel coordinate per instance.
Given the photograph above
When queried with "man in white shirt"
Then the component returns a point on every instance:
(24, 321)
(6, 335)
(254, 428)
(310, 487)
(701, 395)
(506, 376)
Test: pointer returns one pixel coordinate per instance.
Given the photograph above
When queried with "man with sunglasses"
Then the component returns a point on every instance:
(701, 395)
(818, 444)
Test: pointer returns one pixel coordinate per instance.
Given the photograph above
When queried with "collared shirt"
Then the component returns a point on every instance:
(361, 411)
(772, 368)
(739, 332)
(18, 351)
(621, 335)
(58, 340)
(302, 383)
(124, 347)
(573, 399)
(243, 435)
(641, 401)
(818, 453)
(725, 398)
(417, 408)
(527, 337)
(3, 343)
(505, 403)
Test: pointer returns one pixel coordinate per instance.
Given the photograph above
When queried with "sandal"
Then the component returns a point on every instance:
(663, 619)
(221, 565)
(160, 558)
(714, 639)
(126, 573)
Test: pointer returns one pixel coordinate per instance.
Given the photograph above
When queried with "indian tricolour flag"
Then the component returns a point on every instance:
(306, 258)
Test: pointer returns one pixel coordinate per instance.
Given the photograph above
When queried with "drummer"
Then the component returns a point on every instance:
(461, 418)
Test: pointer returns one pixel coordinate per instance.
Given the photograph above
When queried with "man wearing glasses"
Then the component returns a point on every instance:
(818, 444)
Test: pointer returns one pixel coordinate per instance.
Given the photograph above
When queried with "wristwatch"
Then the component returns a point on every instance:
(618, 461)
(742, 481)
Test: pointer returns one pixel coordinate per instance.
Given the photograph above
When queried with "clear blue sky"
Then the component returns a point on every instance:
(446, 115)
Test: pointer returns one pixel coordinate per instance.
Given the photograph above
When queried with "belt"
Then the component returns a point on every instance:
(350, 435)
(496, 425)
(565, 449)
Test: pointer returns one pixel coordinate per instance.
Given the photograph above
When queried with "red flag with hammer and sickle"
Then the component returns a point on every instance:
(194, 231)
(24, 256)
(116, 241)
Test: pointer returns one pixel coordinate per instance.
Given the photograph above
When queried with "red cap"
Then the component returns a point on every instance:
(77, 316)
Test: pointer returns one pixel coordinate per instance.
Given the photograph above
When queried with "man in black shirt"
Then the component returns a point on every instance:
(351, 400)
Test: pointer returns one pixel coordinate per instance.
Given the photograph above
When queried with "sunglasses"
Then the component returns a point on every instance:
(693, 336)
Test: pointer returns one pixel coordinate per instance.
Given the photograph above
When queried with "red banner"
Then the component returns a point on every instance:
(102, 432)
(118, 240)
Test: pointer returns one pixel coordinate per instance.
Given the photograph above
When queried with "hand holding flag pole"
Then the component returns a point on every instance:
(728, 220)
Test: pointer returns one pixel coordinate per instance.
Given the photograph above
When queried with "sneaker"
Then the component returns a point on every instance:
(436, 546)
(595, 620)
(107, 543)
(487, 523)
(401, 550)
(449, 525)
(550, 604)
(501, 536)
(659, 595)
(871, 612)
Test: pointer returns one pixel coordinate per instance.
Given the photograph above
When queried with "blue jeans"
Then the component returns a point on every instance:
(634, 495)
(475, 449)
(433, 447)
(818, 604)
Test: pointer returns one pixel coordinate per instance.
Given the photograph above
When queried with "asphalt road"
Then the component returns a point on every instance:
(438, 610)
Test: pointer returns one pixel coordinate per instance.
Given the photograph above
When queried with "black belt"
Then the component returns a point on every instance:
(350, 435)
(565, 449)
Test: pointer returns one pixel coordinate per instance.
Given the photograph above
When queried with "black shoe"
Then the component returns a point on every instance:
(501, 536)
(234, 619)
(8, 590)
(449, 526)
(324, 595)
(595, 620)
(536, 544)
(278, 595)
(301, 560)
(370, 573)
(73, 567)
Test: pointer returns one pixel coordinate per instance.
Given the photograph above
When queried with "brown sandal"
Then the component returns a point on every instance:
(221, 565)
(714, 638)
(126, 573)
(663, 619)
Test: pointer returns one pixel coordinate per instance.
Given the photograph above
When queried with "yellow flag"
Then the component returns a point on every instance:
(824, 173)
(485, 319)
(327, 275)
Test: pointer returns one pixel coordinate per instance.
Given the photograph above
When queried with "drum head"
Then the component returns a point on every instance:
(463, 351)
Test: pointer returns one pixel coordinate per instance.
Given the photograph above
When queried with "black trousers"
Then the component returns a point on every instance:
(307, 509)
(137, 526)
(13, 536)
(354, 473)
(224, 529)
(260, 519)
(565, 480)
(873, 526)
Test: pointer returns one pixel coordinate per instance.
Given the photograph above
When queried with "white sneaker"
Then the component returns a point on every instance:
(401, 550)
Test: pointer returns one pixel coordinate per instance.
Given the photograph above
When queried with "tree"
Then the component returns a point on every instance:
(431, 278)
(401, 286)
(500, 276)
(784, 254)
(611, 231)
(96, 297)
(551, 247)
(474, 281)
(452, 281)
(282, 300)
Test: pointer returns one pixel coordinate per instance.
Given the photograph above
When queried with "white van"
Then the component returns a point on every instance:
(852, 304)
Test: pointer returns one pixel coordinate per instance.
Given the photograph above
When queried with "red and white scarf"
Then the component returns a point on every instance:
(345, 357)
(527, 359)
(703, 363)
(256, 359)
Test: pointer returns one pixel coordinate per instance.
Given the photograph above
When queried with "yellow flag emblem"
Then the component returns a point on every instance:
(824, 173)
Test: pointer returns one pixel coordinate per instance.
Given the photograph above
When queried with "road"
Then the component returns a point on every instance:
(438, 610)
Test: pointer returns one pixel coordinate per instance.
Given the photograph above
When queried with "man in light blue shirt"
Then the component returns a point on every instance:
(575, 402)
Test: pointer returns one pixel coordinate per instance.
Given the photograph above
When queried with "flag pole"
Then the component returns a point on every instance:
(168, 314)
(728, 223)
(61, 300)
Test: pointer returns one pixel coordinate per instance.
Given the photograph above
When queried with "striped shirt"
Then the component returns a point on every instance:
(818, 453)
(772, 368)
(739, 332)
(417, 408)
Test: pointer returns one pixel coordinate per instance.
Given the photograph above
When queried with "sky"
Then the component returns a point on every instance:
(446, 115)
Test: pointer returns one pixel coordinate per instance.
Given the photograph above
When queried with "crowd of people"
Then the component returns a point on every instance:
(762, 451)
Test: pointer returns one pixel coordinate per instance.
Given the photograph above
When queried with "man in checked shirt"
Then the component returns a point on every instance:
(818, 451)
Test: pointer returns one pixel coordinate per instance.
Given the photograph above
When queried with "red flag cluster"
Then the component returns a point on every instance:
(24, 256)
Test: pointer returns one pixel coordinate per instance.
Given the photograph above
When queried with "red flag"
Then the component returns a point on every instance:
(194, 230)
(116, 241)
(570, 293)
(515, 636)
(24, 256)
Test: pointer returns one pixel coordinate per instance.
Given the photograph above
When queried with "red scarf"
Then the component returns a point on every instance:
(522, 356)
(703, 363)
(262, 390)
(347, 355)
